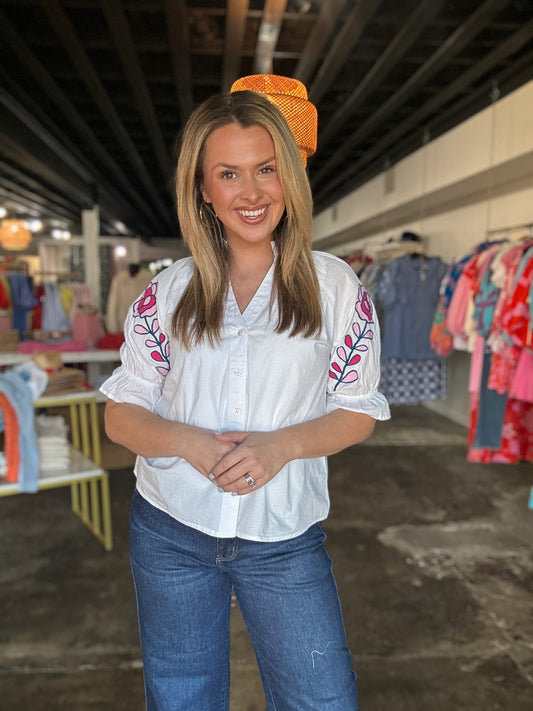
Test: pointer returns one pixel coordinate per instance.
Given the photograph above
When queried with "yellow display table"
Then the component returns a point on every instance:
(89, 483)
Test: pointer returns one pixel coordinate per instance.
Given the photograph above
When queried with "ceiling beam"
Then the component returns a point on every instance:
(20, 149)
(349, 35)
(236, 14)
(443, 98)
(318, 38)
(267, 37)
(472, 26)
(32, 115)
(34, 67)
(393, 53)
(125, 47)
(18, 176)
(68, 37)
(36, 204)
(178, 39)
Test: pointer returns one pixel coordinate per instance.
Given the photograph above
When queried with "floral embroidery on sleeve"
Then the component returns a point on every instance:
(143, 310)
(348, 356)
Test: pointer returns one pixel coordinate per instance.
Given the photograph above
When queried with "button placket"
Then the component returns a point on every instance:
(237, 390)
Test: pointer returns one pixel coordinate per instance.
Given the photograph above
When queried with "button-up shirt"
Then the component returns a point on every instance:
(253, 379)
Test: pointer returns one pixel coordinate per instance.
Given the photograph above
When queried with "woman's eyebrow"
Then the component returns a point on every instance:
(230, 166)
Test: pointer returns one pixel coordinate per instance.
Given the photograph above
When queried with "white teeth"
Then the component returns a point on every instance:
(253, 213)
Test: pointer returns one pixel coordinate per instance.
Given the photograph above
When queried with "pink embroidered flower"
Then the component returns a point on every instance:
(147, 304)
(154, 339)
(364, 306)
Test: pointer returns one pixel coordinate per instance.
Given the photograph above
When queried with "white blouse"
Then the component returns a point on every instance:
(254, 379)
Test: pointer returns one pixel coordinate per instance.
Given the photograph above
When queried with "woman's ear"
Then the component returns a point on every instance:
(205, 196)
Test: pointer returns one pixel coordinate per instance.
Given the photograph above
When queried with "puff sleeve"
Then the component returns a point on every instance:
(144, 354)
(354, 369)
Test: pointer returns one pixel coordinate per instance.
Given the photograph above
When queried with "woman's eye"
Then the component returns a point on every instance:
(266, 169)
(227, 175)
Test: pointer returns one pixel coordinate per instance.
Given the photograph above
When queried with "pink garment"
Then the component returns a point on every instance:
(517, 434)
(6, 322)
(522, 385)
(516, 321)
(509, 263)
(476, 365)
(87, 329)
(64, 346)
(503, 367)
(457, 310)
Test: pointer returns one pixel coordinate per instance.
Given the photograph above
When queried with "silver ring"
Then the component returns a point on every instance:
(250, 480)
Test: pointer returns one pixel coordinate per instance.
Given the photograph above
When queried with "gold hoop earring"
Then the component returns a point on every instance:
(207, 218)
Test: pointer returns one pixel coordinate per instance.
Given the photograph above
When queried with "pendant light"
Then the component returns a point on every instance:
(14, 235)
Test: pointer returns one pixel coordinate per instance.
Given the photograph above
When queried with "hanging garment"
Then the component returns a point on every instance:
(441, 339)
(516, 321)
(23, 301)
(408, 293)
(5, 293)
(504, 274)
(84, 319)
(124, 290)
(411, 382)
(37, 315)
(522, 384)
(54, 316)
(517, 434)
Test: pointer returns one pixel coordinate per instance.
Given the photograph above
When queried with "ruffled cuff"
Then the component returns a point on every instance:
(123, 386)
(373, 404)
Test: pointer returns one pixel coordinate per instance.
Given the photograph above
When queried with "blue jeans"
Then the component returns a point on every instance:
(288, 599)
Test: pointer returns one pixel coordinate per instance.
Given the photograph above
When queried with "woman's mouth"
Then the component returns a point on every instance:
(253, 214)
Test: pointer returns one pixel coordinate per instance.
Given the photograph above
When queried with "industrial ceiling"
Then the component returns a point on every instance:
(93, 93)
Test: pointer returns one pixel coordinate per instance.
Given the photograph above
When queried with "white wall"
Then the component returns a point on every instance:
(475, 179)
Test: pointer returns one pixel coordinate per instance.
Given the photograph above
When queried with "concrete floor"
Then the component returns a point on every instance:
(433, 558)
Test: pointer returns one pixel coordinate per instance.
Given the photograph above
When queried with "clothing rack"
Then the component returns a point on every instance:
(60, 276)
(520, 231)
(393, 250)
(8, 265)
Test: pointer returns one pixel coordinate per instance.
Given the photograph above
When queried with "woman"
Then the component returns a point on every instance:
(244, 366)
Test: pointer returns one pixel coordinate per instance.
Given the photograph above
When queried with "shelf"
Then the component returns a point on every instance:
(81, 468)
(89, 356)
(89, 483)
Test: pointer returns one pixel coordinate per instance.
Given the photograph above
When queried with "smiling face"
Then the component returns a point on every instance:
(241, 182)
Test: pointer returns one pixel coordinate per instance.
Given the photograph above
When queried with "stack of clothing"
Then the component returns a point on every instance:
(20, 440)
(52, 436)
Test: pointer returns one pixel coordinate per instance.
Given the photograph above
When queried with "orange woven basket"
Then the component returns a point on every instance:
(290, 96)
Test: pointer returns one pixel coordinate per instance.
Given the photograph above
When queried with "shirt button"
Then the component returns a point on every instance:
(237, 411)
(240, 332)
(237, 371)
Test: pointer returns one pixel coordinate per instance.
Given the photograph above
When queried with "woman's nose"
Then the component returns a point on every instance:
(251, 188)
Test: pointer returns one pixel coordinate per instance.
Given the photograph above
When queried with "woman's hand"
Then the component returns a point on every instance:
(259, 455)
(205, 449)
(150, 435)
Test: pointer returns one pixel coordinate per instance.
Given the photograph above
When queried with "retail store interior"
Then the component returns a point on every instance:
(431, 520)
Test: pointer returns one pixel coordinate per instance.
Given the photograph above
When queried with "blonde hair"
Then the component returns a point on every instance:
(199, 312)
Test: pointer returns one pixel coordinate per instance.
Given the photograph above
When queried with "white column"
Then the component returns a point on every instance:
(90, 225)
